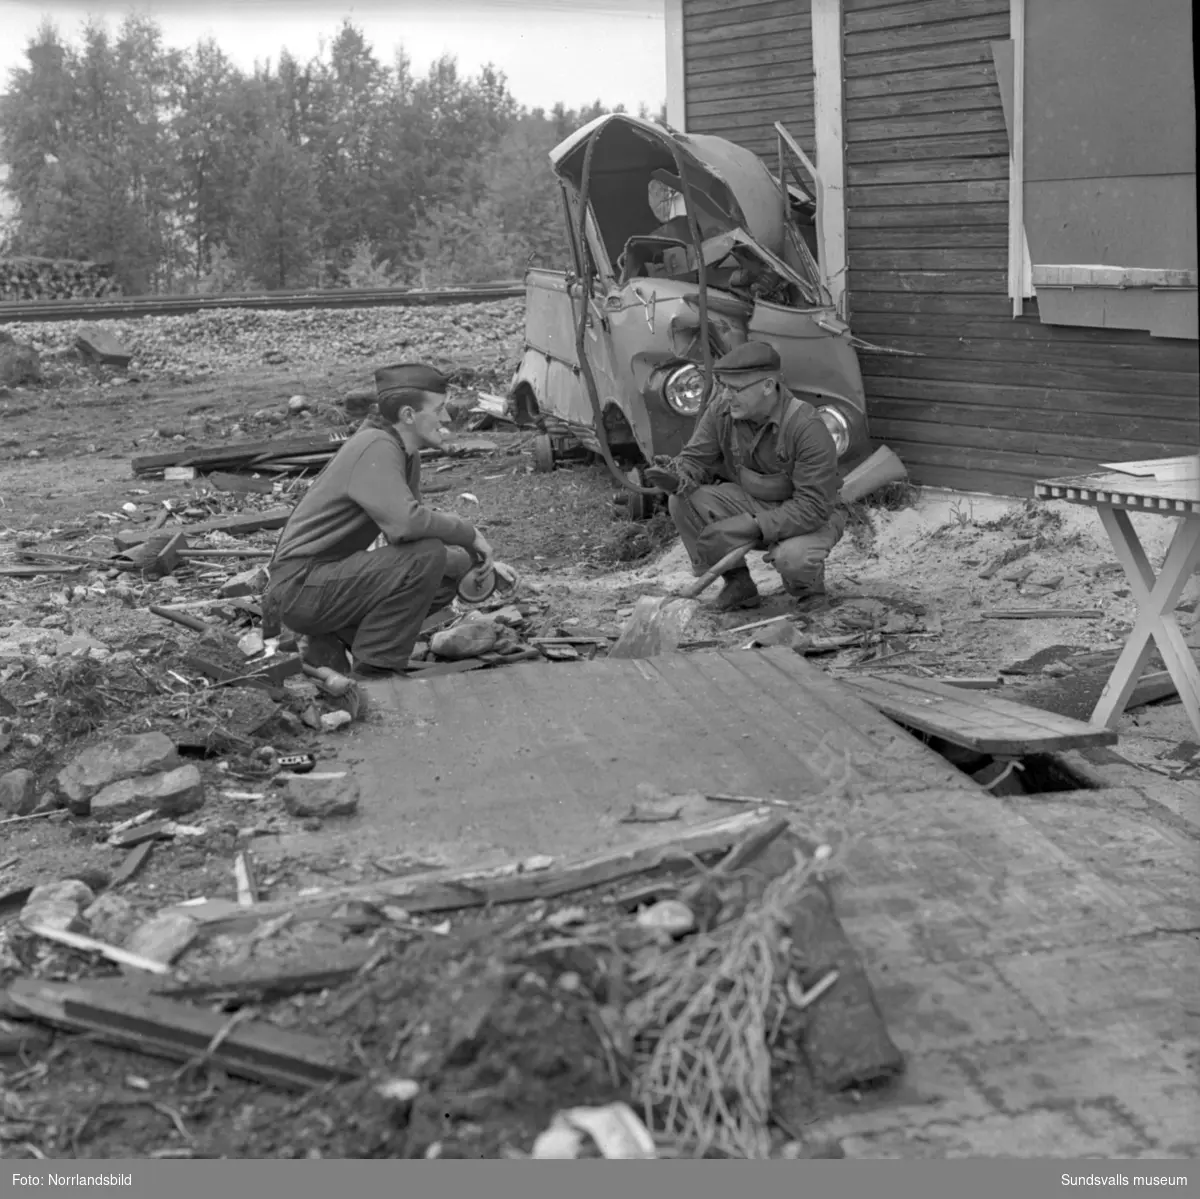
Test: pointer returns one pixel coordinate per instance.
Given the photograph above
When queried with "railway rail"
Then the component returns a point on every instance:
(130, 307)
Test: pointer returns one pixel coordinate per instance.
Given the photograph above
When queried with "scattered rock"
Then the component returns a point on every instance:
(172, 793)
(58, 905)
(122, 758)
(298, 404)
(19, 364)
(252, 644)
(18, 792)
(317, 796)
(163, 937)
(332, 721)
(47, 802)
(111, 918)
(98, 346)
(248, 582)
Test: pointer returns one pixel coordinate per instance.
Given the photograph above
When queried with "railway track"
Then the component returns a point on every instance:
(128, 307)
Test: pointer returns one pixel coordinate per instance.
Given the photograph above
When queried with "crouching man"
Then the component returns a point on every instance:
(323, 581)
(762, 468)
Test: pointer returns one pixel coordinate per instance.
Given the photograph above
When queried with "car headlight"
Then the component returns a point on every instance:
(838, 426)
(684, 389)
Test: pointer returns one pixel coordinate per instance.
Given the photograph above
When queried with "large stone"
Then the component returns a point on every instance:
(467, 640)
(172, 793)
(110, 762)
(308, 796)
(18, 792)
(99, 346)
(58, 905)
(19, 364)
(163, 937)
(111, 918)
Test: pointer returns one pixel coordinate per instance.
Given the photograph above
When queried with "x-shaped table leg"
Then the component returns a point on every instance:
(1155, 623)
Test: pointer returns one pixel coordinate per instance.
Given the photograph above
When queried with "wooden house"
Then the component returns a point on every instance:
(1008, 196)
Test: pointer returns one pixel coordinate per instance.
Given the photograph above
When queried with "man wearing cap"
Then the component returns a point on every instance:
(325, 583)
(760, 467)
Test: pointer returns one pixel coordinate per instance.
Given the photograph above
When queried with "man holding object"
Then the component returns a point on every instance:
(325, 583)
(761, 468)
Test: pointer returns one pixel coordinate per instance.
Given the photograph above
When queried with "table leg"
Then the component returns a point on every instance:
(1155, 622)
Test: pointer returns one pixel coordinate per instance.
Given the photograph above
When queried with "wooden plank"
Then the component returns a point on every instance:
(889, 105)
(974, 719)
(931, 82)
(915, 149)
(938, 171)
(940, 282)
(238, 523)
(868, 38)
(979, 122)
(954, 258)
(1030, 420)
(1046, 375)
(260, 982)
(1020, 345)
(736, 61)
(935, 216)
(932, 237)
(895, 63)
(754, 100)
(1168, 355)
(238, 451)
(714, 116)
(768, 81)
(699, 14)
(127, 1016)
(782, 25)
(919, 12)
(967, 191)
(1112, 276)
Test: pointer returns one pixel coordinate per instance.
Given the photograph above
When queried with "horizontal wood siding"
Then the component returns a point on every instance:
(746, 65)
(990, 403)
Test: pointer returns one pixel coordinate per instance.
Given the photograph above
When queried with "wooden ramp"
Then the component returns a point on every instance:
(977, 720)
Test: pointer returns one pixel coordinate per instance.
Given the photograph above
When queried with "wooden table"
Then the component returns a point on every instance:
(1166, 487)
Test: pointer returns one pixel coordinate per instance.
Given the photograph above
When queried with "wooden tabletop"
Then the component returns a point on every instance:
(1166, 485)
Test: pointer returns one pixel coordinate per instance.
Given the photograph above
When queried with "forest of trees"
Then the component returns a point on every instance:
(187, 174)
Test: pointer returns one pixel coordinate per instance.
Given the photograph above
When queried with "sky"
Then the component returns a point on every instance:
(575, 51)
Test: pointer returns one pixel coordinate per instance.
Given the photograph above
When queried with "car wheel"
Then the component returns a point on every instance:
(543, 453)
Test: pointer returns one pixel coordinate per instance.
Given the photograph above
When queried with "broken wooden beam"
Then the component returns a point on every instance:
(238, 523)
(134, 861)
(266, 981)
(239, 453)
(447, 891)
(127, 1016)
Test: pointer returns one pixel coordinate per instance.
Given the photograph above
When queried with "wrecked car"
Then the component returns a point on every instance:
(684, 246)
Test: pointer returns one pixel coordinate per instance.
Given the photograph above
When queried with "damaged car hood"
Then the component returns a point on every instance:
(732, 184)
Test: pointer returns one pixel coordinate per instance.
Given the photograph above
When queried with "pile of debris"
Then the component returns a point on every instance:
(701, 978)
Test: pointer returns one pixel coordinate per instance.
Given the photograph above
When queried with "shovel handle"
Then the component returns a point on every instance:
(734, 558)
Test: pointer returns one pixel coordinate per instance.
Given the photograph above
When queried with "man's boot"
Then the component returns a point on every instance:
(811, 595)
(738, 591)
(326, 649)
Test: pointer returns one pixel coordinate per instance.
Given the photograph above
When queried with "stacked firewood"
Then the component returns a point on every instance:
(54, 279)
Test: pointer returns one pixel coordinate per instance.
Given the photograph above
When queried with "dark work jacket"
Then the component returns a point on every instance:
(793, 441)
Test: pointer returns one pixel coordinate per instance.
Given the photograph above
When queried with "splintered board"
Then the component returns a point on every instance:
(976, 720)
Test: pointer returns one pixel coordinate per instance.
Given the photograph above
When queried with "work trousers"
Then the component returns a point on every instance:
(375, 601)
(799, 560)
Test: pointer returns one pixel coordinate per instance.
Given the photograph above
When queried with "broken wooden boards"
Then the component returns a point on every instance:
(240, 522)
(127, 1015)
(974, 719)
(656, 627)
(446, 891)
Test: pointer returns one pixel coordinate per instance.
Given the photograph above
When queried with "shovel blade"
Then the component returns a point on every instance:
(656, 626)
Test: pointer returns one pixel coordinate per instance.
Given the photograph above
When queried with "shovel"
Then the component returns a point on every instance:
(658, 622)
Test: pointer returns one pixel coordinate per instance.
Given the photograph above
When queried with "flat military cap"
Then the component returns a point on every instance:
(415, 375)
(754, 356)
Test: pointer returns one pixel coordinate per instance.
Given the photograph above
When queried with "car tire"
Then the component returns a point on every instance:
(543, 453)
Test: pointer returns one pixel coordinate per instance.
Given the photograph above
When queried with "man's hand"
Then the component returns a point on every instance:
(481, 551)
(661, 475)
(725, 535)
